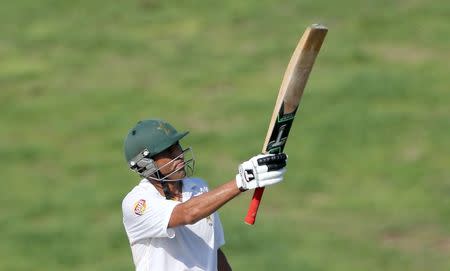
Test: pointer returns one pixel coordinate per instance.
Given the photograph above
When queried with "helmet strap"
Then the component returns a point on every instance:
(165, 186)
(166, 190)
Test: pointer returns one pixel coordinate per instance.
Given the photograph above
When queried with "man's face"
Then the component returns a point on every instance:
(166, 163)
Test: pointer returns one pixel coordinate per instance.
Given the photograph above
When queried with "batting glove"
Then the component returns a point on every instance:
(261, 170)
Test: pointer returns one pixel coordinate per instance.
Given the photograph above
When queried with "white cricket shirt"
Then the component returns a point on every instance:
(146, 215)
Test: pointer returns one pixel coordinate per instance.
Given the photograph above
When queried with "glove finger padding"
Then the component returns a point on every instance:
(271, 159)
(265, 176)
(261, 170)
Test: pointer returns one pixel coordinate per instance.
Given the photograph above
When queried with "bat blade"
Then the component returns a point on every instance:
(288, 100)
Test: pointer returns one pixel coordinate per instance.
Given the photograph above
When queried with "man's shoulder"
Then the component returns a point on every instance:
(194, 181)
(143, 189)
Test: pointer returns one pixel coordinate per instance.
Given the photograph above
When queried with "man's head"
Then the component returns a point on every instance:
(152, 149)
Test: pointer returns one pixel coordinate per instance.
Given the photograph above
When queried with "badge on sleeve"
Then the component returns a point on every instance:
(140, 206)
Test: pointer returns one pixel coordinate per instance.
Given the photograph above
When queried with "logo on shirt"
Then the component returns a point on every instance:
(140, 206)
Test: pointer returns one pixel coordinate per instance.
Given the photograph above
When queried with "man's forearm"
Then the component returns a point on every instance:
(203, 205)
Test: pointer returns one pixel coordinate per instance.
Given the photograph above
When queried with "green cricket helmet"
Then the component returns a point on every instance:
(154, 135)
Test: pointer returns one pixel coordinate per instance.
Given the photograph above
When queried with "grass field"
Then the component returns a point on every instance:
(368, 182)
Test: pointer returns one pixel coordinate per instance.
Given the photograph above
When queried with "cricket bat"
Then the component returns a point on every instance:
(289, 96)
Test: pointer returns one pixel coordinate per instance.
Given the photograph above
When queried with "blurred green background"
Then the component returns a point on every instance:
(368, 181)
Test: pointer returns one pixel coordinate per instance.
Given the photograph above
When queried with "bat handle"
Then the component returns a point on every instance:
(254, 204)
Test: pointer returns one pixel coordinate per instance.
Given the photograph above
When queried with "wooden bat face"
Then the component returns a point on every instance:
(289, 96)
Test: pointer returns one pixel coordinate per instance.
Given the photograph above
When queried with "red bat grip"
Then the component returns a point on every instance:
(254, 204)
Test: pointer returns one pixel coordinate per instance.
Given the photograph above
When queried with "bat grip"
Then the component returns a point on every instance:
(254, 204)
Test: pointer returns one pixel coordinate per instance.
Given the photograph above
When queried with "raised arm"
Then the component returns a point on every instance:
(199, 207)
(260, 171)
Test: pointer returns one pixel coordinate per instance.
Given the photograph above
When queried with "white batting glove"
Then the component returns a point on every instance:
(261, 170)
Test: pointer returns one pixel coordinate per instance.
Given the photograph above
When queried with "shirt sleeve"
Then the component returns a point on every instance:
(218, 231)
(147, 217)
